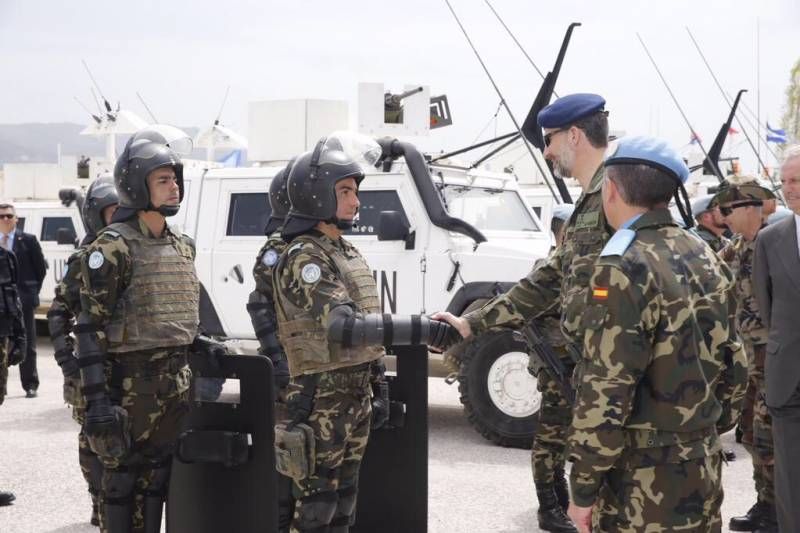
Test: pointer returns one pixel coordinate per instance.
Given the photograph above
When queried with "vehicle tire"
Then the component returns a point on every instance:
(499, 395)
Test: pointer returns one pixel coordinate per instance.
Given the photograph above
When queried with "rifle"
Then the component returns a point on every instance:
(543, 357)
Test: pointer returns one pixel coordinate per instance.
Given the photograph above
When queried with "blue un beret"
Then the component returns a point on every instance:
(570, 109)
(702, 204)
(651, 152)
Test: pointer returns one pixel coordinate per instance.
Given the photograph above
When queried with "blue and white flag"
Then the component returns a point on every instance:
(233, 159)
(775, 135)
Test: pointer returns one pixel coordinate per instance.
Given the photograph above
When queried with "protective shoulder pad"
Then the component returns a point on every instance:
(188, 240)
(618, 243)
(110, 233)
(295, 248)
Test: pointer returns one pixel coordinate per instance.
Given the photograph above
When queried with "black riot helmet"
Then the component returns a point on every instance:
(311, 187)
(101, 194)
(147, 150)
(278, 199)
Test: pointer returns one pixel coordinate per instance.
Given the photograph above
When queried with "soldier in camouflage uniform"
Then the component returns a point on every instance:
(98, 207)
(555, 414)
(576, 137)
(663, 370)
(12, 330)
(710, 224)
(741, 204)
(261, 308)
(139, 315)
(331, 328)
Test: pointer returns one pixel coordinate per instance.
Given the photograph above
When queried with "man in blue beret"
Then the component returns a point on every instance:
(576, 137)
(663, 370)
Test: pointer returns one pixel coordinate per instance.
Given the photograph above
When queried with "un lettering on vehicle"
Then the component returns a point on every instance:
(387, 289)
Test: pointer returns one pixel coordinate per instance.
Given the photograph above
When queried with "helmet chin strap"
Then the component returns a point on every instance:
(345, 224)
(169, 210)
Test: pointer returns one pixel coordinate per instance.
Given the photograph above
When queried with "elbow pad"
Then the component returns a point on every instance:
(262, 315)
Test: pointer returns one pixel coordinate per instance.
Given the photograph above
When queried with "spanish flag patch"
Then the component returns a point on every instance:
(600, 293)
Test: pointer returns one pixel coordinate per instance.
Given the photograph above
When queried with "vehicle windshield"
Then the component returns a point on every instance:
(489, 209)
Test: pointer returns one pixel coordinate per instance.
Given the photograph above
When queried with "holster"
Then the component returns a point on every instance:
(295, 450)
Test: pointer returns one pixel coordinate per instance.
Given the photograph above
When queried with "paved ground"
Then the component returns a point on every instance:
(474, 486)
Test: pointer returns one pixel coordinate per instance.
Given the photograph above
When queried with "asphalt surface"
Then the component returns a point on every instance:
(474, 486)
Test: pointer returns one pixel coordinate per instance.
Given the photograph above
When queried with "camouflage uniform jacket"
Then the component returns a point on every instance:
(261, 304)
(662, 362)
(564, 275)
(266, 260)
(716, 242)
(67, 303)
(104, 284)
(739, 256)
(309, 283)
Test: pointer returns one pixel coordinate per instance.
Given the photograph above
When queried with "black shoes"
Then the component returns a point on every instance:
(31, 393)
(550, 514)
(760, 517)
(6, 498)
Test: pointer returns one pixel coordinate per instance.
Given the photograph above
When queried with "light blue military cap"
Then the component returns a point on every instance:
(702, 204)
(570, 109)
(651, 152)
(563, 211)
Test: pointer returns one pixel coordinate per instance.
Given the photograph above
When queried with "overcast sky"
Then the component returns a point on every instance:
(181, 55)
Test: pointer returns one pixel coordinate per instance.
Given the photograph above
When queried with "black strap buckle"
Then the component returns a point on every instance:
(229, 448)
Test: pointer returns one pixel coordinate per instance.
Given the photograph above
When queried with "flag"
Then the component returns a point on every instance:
(695, 138)
(776, 135)
(732, 131)
(233, 159)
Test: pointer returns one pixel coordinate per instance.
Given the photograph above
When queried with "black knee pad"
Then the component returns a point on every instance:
(119, 485)
(316, 510)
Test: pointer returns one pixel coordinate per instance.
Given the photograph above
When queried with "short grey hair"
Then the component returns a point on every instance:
(793, 152)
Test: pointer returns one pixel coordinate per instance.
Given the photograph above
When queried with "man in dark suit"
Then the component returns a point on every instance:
(776, 280)
(32, 269)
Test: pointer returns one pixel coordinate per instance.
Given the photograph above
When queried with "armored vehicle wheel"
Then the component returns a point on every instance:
(499, 395)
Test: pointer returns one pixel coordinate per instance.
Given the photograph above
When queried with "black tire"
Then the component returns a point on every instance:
(482, 413)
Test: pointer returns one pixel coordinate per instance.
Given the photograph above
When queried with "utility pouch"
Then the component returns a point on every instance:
(294, 450)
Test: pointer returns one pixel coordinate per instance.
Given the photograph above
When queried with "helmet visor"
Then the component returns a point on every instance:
(362, 149)
(175, 138)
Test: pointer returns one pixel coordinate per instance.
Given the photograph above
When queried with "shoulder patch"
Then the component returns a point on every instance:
(270, 257)
(111, 233)
(96, 260)
(311, 273)
(618, 243)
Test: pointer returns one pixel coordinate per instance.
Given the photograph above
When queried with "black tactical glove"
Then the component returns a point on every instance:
(300, 397)
(214, 351)
(16, 354)
(106, 429)
(442, 335)
(380, 404)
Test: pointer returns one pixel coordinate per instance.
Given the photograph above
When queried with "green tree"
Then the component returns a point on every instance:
(791, 114)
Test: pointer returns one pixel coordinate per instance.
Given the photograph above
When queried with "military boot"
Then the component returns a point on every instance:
(550, 514)
(561, 489)
(752, 519)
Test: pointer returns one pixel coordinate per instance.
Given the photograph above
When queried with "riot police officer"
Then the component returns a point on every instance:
(261, 308)
(139, 315)
(98, 208)
(331, 328)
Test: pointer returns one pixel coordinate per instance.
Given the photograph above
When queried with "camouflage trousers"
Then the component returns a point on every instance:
(340, 420)
(756, 424)
(90, 464)
(548, 453)
(684, 496)
(156, 403)
(3, 369)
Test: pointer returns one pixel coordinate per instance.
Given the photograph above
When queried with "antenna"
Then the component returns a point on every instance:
(221, 107)
(139, 96)
(95, 117)
(91, 77)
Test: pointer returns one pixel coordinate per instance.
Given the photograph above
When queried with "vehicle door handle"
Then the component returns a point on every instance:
(235, 273)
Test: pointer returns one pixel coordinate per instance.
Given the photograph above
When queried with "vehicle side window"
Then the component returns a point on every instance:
(372, 203)
(51, 225)
(248, 213)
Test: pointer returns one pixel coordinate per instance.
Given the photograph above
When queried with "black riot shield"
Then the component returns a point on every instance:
(393, 482)
(223, 473)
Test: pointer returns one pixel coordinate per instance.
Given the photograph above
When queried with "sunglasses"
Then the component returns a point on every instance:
(549, 137)
(726, 210)
(7, 216)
